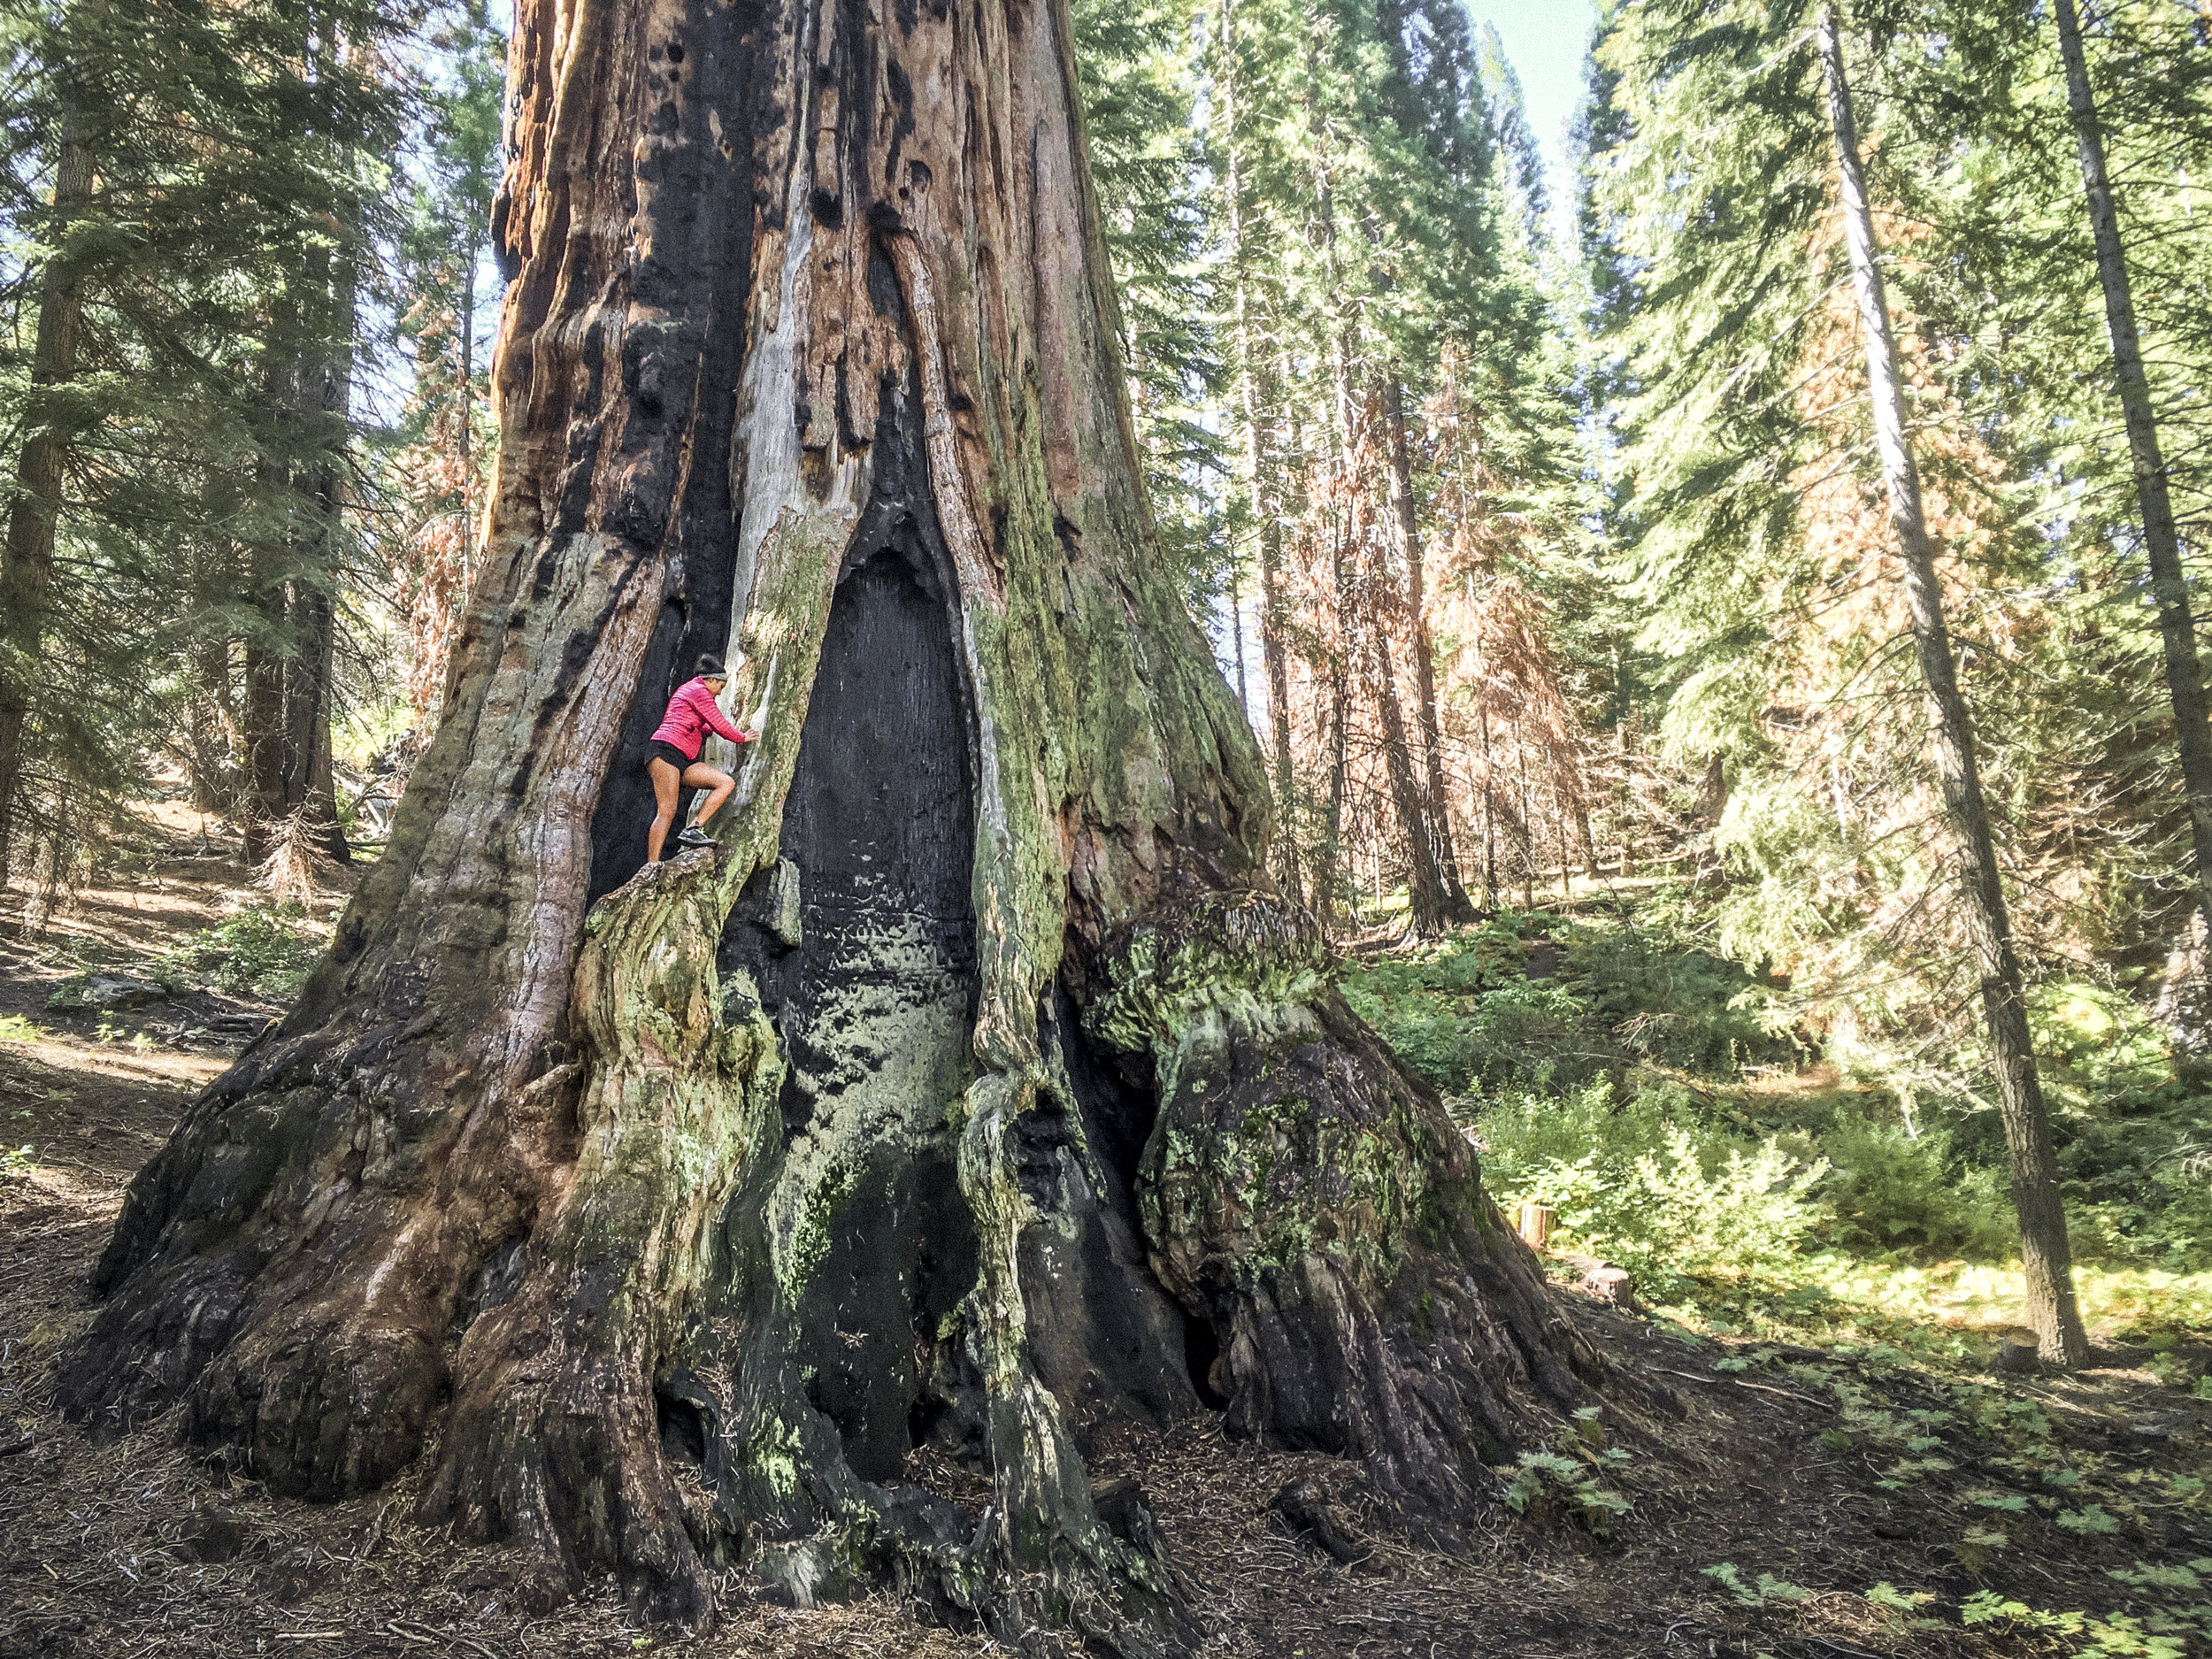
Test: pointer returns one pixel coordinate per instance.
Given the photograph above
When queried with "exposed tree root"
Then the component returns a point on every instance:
(1322, 1212)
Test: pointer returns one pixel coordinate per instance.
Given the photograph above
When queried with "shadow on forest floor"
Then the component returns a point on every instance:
(1815, 1502)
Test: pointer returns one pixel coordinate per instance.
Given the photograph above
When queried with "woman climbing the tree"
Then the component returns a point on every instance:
(672, 757)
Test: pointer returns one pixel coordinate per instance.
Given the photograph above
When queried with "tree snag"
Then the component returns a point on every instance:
(977, 1091)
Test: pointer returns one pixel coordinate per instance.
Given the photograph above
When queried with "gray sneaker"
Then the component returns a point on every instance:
(693, 836)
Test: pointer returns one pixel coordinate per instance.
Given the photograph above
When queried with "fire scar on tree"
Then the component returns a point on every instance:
(978, 1092)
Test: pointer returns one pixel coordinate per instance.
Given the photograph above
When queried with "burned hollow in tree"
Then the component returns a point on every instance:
(861, 943)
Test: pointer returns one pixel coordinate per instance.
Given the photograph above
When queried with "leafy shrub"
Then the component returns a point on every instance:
(1554, 1477)
(1891, 1191)
(2134, 1139)
(1764, 1589)
(262, 951)
(2092, 1039)
(1916, 1165)
(1425, 1003)
(2136, 1161)
(1643, 1182)
(1534, 1034)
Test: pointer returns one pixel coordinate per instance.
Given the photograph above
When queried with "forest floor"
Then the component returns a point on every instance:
(1812, 1503)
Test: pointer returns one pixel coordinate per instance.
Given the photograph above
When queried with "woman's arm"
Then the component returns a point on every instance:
(718, 722)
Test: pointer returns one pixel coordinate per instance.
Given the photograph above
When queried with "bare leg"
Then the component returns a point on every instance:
(665, 781)
(717, 782)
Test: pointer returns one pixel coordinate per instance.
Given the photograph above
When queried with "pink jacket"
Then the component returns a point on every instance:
(692, 714)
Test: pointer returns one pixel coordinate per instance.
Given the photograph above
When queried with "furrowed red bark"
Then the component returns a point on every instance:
(977, 1092)
(2045, 1253)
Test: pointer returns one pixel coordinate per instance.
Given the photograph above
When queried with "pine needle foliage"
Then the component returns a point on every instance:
(190, 194)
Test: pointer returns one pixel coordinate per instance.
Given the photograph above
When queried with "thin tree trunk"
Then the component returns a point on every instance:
(1348, 600)
(1489, 820)
(310, 784)
(27, 565)
(1528, 823)
(1326, 884)
(1291, 480)
(2045, 1253)
(263, 798)
(306, 694)
(1275, 659)
(272, 560)
(1424, 887)
(214, 726)
(2162, 540)
(308, 383)
(468, 386)
(1351, 602)
(1236, 632)
(1435, 804)
(310, 787)
(261, 802)
(1266, 508)
(1432, 910)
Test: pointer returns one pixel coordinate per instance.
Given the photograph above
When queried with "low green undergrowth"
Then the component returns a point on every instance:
(263, 951)
(1545, 1001)
(1661, 1100)
(1644, 1181)
(1990, 1467)
(1829, 1220)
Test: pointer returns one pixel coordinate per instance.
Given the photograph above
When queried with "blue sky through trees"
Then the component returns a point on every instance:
(1545, 41)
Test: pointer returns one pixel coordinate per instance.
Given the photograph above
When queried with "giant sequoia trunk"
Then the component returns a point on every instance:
(977, 1092)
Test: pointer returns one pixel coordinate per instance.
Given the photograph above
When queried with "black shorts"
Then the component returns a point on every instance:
(655, 749)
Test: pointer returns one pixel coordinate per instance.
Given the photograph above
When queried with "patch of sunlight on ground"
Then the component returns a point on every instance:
(1951, 1314)
(1970, 1296)
(1954, 1309)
